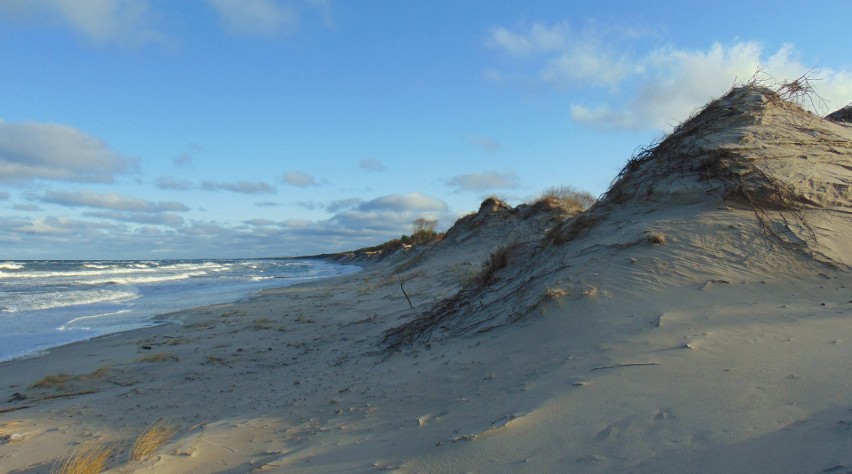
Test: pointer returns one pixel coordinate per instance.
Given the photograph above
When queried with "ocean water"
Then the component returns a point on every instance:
(44, 303)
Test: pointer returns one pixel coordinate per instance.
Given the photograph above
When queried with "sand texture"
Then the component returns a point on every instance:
(698, 318)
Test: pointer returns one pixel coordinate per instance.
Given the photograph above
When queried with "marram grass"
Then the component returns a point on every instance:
(149, 441)
(88, 458)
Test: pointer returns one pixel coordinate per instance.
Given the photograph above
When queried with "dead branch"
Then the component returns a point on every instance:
(406, 294)
(623, 365)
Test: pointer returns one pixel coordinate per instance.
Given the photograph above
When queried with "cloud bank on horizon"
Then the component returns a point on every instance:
(247, 128)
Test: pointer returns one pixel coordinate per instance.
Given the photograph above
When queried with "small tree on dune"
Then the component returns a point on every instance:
(423, 231)
(422, 224)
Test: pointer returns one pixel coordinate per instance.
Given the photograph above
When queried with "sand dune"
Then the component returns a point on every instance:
(695, 319)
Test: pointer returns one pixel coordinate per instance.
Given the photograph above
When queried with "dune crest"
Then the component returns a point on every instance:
(750, 186)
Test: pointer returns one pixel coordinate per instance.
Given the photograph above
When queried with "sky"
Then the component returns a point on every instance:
(155, 129)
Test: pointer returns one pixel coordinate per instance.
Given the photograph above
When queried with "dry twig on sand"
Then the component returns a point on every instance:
(800, 89)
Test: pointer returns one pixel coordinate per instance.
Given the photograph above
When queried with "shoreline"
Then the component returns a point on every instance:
(157, 318)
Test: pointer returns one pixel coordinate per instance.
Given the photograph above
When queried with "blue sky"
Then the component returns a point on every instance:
(246, 128)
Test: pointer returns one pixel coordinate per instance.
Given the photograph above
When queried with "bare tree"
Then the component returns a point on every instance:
(424, 225)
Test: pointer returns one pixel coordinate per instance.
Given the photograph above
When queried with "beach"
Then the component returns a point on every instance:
(695, 319)
(47, 303)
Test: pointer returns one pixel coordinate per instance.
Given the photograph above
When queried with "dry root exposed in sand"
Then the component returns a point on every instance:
(412, 331)
(451, 315)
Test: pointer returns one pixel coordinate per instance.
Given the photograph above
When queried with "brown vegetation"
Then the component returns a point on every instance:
(423, 233)
(565, 199)
(151, 439)
(571, 229)
(89, 458)
(655, 238)
(555, 293)
(737, 177)
(158, 357)
(55, 381)
(497, 261)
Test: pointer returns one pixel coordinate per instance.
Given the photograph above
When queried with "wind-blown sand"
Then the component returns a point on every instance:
(697, 319)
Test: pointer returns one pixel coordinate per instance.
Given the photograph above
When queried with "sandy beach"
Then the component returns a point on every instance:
(695, 319)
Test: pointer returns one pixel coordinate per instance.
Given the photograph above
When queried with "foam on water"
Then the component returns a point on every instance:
(48, 303)
(73, 322)
(58, 299)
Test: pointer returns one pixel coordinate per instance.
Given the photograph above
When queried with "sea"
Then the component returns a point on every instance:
(47, 303)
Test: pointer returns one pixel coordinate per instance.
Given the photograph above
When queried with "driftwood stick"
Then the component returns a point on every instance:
(65, 395)
(48, 397)
(625, 365)
(406, 294)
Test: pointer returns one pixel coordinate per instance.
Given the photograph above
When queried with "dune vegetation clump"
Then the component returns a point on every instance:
(423, 232)
(656, 238)
(152, 439)
(555, 293)
(497, 261)
(54, 381)
(565, 199)
(158, 357)
(88, 458)
(572, 228)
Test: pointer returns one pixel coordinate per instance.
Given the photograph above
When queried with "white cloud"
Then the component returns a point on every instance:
(309, 205)
(124, 21)
(538, 38)
(486, 143)
(131, 234)
(563, 56)
(243, 187)
(656, 88)
(492, 74)
(45, 225)
(47, 151)
(676, 82)
(586, 64)
(167, 182)
(485, 181)
(342, 204)
(261, 222)
(53, 226)
(385, 224)
(165, 219)
(26, 207)
(369, 164)
(404, 203)
(296, 223)
(110, 201)
(367, 223)
(184, 159)
(298, 179)
(256, 17)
